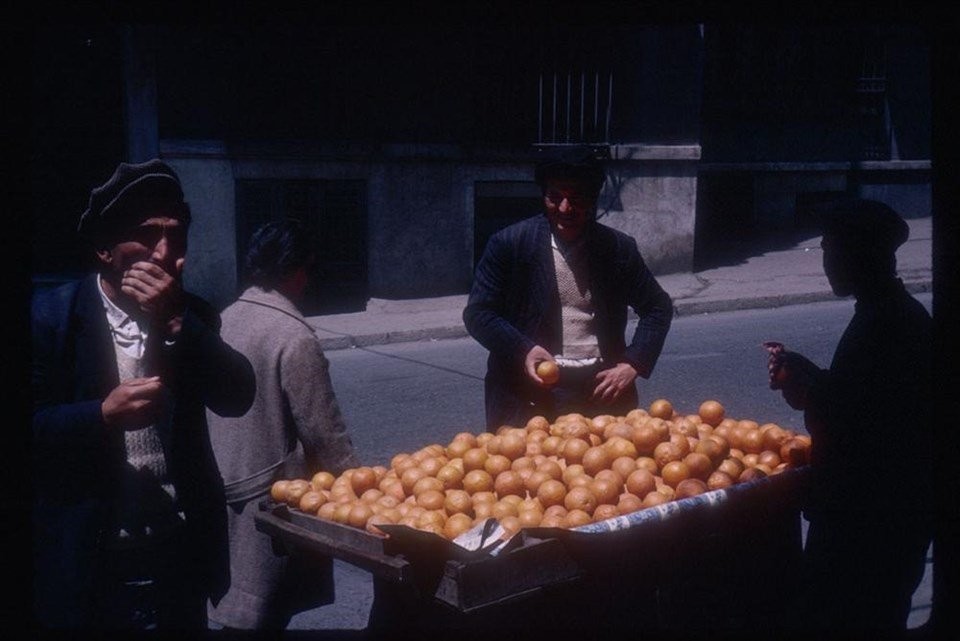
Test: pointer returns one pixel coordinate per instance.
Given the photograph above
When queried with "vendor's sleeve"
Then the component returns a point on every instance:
(484, 315)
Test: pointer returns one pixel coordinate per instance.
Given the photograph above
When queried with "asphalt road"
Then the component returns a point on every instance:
(398, 398)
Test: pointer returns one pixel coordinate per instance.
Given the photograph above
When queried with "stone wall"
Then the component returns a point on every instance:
(420, 207)
(210, 270)
(651, 194)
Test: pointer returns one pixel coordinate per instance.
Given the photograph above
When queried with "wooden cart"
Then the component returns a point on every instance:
(726, 560)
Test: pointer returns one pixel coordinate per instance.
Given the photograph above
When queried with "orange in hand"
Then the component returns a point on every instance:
(548, 371)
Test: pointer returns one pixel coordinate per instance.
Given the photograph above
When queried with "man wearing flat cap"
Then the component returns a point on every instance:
(129, 527)
(557, 287)
(869, 416)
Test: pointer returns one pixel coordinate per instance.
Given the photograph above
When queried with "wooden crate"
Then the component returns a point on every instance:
(727, 559)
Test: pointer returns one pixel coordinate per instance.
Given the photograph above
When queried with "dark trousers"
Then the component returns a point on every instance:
(574, 389)
(515, 405)
(149, 587)
(860, 574)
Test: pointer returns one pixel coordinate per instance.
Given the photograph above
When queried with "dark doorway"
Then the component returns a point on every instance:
(726, 222)
(498, 204)
(808, 204)
(335, 212)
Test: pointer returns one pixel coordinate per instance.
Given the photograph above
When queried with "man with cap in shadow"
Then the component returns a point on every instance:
(557, 287)
(129, 527)
(870, 419)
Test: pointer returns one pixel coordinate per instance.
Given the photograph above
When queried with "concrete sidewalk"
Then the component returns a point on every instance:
(789, 276)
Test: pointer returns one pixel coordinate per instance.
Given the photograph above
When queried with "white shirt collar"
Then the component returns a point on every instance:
(125, 330)
(115, 316)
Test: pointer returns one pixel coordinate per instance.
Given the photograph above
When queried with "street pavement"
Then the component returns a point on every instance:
(787, 275)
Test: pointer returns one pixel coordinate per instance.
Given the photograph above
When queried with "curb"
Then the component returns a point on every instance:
(682, 308)
(694, 307)
(351, 341)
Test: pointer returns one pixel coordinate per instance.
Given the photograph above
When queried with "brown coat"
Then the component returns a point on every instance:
(295, 416)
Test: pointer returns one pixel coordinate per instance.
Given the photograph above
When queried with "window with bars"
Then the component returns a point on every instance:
(872, 108)
(574, 107)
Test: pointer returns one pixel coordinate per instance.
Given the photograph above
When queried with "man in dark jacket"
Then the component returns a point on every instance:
(129, 528)
(556, 287)
(869, 415)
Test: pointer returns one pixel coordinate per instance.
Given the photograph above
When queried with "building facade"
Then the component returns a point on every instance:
(405, 151)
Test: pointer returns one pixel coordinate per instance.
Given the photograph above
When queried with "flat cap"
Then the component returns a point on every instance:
(574, 163)
(133, 191)
(867, 224)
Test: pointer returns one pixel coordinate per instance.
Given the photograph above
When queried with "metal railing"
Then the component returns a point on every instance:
(574, 110)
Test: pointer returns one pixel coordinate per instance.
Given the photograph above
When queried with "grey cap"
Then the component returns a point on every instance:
(133, 191)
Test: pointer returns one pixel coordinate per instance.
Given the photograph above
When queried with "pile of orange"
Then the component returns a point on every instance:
(568, 473)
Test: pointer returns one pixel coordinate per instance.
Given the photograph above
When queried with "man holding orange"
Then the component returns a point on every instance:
(556, 288)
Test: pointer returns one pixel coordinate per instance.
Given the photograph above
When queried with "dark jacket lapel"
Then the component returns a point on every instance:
(96, 363)
(545, 283)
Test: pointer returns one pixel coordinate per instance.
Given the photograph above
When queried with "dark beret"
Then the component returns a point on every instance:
(132, 192)
(575, 163)
(866, 224)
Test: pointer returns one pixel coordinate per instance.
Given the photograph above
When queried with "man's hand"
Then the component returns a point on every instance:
(158, 294)
(534, 356)
(133, 404)
(612, 382)
(791, 373)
